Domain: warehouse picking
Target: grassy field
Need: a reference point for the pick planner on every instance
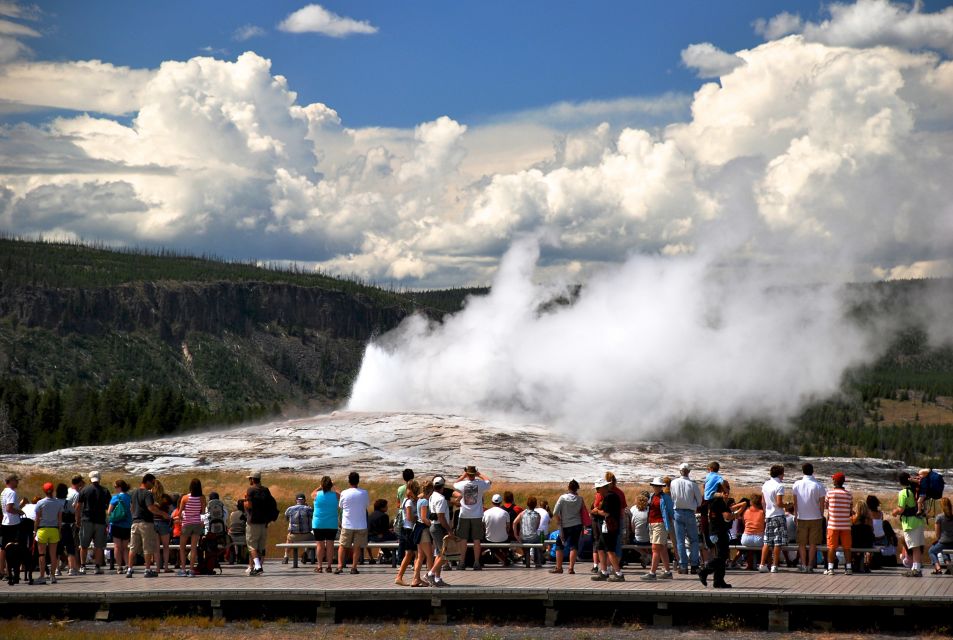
(917, 412)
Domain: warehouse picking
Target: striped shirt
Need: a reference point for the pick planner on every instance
(193, 510)
(838, 509)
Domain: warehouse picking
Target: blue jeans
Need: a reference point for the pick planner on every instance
(686, 525)
(936, 549)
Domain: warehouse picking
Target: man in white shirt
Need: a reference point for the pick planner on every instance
(353, 504)
(472, 485)
(809, 511)
(439, 514)
(775, 524)
(687, 496)
(10, 529)
(496, 521)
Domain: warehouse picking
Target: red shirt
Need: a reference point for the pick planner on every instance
(838, 509)
(655, 509)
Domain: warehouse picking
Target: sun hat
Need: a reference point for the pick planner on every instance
(471, 469)
(601, 483)
(657, 482)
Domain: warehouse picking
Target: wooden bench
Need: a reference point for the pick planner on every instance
(296, 547)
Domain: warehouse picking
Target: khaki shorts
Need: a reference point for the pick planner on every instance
(143, 538)
(353, 538)
(256, 536)
(300, 537)
(914, 538)
(810, 532)
(470, 529)
(658, 534)
(189, 530)
(425, 537)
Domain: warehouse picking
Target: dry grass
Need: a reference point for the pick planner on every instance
(915, 411)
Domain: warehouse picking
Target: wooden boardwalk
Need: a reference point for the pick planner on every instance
(375, 584)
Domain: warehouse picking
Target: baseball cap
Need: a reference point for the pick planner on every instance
(94, 476)
(839, 477)
(47, 486)
(300, 496)
(601, 483)
(439, 481)
(685, 467)
(497, 498)
(254, 475)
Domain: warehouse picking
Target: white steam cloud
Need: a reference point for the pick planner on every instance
(645, 346)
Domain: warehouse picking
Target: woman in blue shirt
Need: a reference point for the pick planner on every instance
(324, 523)
(120, 524)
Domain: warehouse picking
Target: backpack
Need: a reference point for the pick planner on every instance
(932, 485)
(529, 525)
(264, 508)
(215, 510)
(209, 552)
(119, 513)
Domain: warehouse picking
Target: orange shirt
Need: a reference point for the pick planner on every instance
(754, 521)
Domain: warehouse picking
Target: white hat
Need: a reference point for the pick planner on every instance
(439, 481)
(685, 467)
(94, 476)
(601, 483)
(657, 482)
(497, 499)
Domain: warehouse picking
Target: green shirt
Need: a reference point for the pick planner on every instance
(905, 499)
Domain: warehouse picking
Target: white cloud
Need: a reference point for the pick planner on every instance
(709, 61)
(314, 18)
(870, 23)
(81, 86)
(247, 32)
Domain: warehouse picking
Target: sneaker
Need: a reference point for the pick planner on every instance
(40, 581)
(774, 569)
(150, 573)
(665, 575)
(763, 568)
(59, 572)
(256, 572)
(440, 582)
(599, 577)
(723, 585)
(430, 579)
(913, 573)
(848, 571)
(649, 577)
(595, 569)
(703, 576)
(82, 571)
(616, 577)
(73, 572)
(477, 567)
(284, 560)
(683, 571)
(802, 569)
(810, 569)
(248, 571)
(52, 579)
(828, 572)
(180, 573)
(129, 572)
(354, 571)
(693, 571)
(99, 571)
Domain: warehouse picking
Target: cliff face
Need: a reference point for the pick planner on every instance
(176, 309)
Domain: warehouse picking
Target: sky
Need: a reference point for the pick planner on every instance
(413, 143)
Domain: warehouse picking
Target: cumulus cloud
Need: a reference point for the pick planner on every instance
(247, 32)
(709, 61)
(89, 85)
(314, 18)
(870, 23)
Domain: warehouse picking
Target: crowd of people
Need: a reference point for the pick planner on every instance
(682, 526)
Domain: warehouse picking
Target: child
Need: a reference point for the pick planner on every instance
(526, 526)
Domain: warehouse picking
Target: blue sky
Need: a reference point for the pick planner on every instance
(466, 60)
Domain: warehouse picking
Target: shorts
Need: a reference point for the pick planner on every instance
(299, 537)
(119, 533)
(914, 538)
(658, 534)
(324, 534)
(568, 538)
(752, 540)
(425, 537)
(48, 535)
(92, 532)
(607, 541)
(406, 542)
(470, 529)
(67, 542)
(163, 527)
(9, 533)
(143, 539)
(353, 538)
(256, 536)
(775, 531)
(810, 531)
(195, 529)
(437, 532)
(838, 538)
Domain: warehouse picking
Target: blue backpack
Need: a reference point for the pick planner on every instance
(932, 485)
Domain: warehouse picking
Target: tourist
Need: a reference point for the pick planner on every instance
(775, 524)
(545, 517)
(119, 514)
(215, 517)
(496, 524)
(661, 516)
(67, 545)
(143, 538)
(567, 514)
(640, 519)
(839, 507)
(379, 529)
(526, 528)
(687, 498)
(299, 517)
(260, 510)
(752, 515)
(91, 504)
(623, 519)
(10, 529)
(48, 521)
(237, 525)
(719, 515)
(440, 527)
(407, 475)
(809, 510)
(606, 531)
(512, 509)
(422, 533)
(472, 485)
(353, 503)
(191, 508)
(861, 536)
(407, 547)
(165, 526)
(324, 523)
(913, 525)
(714, 483)
(790, 557)
(943, 536)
